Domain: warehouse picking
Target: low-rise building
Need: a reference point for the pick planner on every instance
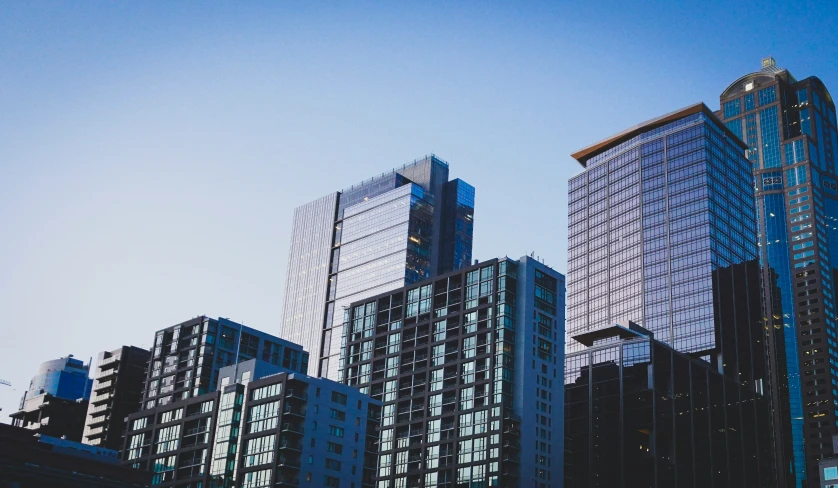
(264, 426)
(34, 460)
(56, 402)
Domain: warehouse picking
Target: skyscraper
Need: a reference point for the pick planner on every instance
(662, 234)
(789, 127)
(468, 366)
(395, 229)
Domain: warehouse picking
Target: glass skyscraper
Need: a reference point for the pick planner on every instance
(663, 234)
(395, 229)
(789, 127)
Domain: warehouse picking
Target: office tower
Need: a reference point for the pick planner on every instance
(790, 129)
(469, 368)
(662, 234)
(56, 402)
(118, 384)
(264, 426)
(395, 229)
(186, 357)
(28, 459)
(639, 413)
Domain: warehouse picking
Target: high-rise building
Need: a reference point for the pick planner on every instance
(789, 127)
(56, 402)
(663, 234)
(395, 229)
(264, 426)
(469, 369)
(186, 357)
(118, 384)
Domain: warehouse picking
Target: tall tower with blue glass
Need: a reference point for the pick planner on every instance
(662, 238)
(400, 227)
(790, 129)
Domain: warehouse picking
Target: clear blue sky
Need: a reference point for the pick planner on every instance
(151, 153)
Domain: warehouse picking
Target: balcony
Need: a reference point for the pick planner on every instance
(287, 481)
(286, 462)
(97, 432)
(511, 416)
(296, 394)
(102, 385)
(291, 446)
(108, 361)
(99, 399)
(510, 444)
(300, 412)
(95, 421)
(292, 428)
(101, 408)
(108, 373)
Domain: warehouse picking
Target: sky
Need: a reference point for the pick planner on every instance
(152, 153)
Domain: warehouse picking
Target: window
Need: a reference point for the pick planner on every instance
(335, 431)
(332, 464)
(259, 450)
(271, 352)
(257, 479)
(830, 473)
(334, 447)
(167, 439)
(139, 423)
(732, 108)
(767, 95)
(263, 417)
(171, 415)
(331, 482)
(339, 398)
(248, 346)
(267, 391)
(337, 414)
(164, 469)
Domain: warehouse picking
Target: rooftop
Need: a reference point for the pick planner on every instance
(583, 155)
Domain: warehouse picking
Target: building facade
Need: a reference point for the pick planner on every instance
(468, 367)
(789, 127)
(663, 234)
(56, 402)
(397, 228)
(640, 414)
(186, 357)
(118, 384)
(283, 429)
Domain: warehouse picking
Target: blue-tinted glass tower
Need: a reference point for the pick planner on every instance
(663, 239)
(395, 229)
(789, 127)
